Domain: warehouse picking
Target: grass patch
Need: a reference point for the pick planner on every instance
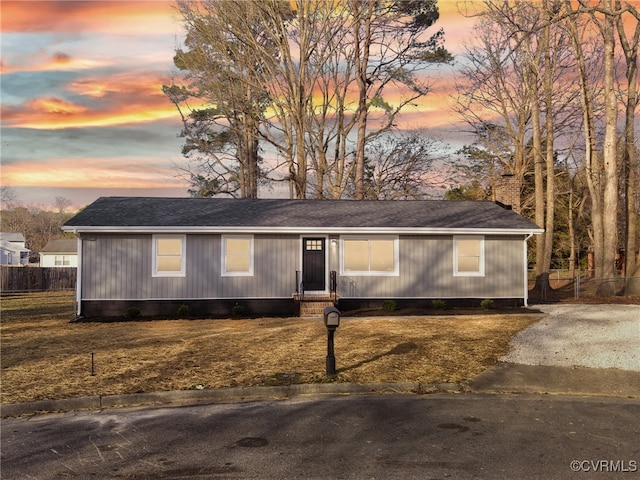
(44, 356)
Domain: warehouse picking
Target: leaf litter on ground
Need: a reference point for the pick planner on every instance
(45, 356)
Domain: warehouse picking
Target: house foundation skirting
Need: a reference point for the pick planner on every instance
(347, 304)
(214, 308)
(268, 307)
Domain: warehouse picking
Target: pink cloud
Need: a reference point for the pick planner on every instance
(92, 173)
(95, 16)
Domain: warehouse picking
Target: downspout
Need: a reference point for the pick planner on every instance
(526, 271)
(79, 277)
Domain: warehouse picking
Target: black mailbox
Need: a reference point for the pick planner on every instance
(331, 321)
(331, 317)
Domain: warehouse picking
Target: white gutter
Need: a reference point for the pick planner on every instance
(302, 230)
(79, 278)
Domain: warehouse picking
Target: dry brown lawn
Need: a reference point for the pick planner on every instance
(44, 356)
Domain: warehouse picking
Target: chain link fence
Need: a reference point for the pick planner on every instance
(576, 283)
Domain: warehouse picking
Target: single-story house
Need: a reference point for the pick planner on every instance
(60, 252)
(13, 250)
(269, 256)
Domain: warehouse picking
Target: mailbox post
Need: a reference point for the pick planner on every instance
(331, 321)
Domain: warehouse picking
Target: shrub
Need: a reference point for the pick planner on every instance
(389, 305)
(183, 311)
(132, 312)
(237, 310)
(487, 303)
(439, 304)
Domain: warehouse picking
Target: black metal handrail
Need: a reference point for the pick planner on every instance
(333, 285)
(299, 285)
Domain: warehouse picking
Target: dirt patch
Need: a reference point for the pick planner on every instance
(44, 356)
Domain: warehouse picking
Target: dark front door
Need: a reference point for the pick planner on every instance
(313, 264)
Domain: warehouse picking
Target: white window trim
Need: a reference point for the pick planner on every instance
(456, 273)
(223, 256)
(372, 273)
(183, 256)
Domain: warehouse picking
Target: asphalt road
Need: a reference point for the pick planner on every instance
(394, 436)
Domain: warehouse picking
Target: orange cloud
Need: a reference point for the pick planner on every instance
(118, 100)
(55, 106)
(91, 173)
(129, 82)
(106, 118)
(95, 16)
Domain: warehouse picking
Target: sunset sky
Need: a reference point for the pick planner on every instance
(83, 113)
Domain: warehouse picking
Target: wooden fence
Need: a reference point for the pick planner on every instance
(37, 279)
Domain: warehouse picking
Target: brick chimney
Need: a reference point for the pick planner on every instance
(507, 192)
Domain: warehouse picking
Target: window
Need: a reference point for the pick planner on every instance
(237, 255)
(370, 256)
(62, 261)
(169, 255)
(313, 244)
(468, 256)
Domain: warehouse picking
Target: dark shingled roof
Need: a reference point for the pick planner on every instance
(126, 212)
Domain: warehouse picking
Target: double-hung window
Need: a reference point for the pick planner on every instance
(237, 255)
(62, 261)
(169, 255)
(468, 256)
(370, 256)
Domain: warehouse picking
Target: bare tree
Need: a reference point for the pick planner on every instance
(592, 159)
(62, 203)
(401, 167)
(513, 75)
(489, 97)
(8, 197)
(549, 63)
(389, 50)
(37, 225)
(319, 69)
(222, 136)
(602, 174)
(517, 73)
(630, 157)
(606, 285)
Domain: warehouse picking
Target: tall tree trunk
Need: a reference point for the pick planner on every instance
(362, 37)
(572, 238)
(549, 147)
(593, 165)
(542, 272)
(606, 285)
(630, 168)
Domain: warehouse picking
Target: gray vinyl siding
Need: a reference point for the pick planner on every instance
(120, 267)
(426, 271)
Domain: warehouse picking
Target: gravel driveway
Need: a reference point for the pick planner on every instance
(595, 336)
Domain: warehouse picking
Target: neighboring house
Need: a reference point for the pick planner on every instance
(61, 252)
(13, 250)
(266, 255)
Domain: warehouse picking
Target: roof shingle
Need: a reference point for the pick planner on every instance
(120, 212)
